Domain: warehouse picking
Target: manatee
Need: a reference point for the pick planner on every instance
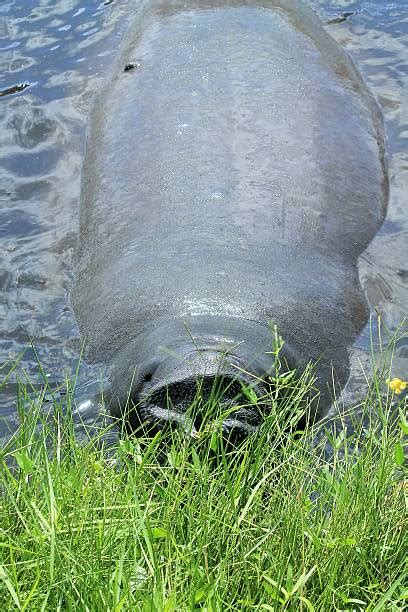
(234, 172)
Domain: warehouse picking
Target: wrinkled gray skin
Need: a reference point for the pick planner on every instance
(232, 178)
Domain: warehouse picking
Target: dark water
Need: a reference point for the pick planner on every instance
(54, 54)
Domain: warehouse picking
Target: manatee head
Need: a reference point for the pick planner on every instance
(169, 379)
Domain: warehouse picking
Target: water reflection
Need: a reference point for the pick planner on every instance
(54, 54)
(376, 36)
(61, 50)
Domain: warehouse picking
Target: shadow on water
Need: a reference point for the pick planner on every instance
(54, 54)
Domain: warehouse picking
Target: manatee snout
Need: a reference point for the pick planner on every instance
(194, 374)
(203, 390)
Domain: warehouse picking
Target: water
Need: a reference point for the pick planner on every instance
(54, 54)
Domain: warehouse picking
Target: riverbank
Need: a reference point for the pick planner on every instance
(278, 524)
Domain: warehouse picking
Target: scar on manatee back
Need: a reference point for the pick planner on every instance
(341, 18)
(132, 66)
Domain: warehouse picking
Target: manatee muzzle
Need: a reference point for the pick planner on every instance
(204, 389)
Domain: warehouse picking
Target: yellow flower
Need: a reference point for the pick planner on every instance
(396, 384)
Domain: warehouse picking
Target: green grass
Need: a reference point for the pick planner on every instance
(277, 524)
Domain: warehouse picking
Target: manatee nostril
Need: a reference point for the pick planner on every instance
(142, 385)
(147, 374)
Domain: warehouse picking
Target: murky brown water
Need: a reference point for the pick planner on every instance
(54, 54)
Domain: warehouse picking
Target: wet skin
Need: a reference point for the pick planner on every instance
(234, 173)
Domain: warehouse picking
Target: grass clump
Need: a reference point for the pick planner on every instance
(167, 524)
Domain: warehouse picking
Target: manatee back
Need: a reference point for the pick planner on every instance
(236, 170)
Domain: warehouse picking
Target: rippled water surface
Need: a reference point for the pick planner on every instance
(54, 54)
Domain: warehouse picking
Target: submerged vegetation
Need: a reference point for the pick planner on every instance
(289, 520)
